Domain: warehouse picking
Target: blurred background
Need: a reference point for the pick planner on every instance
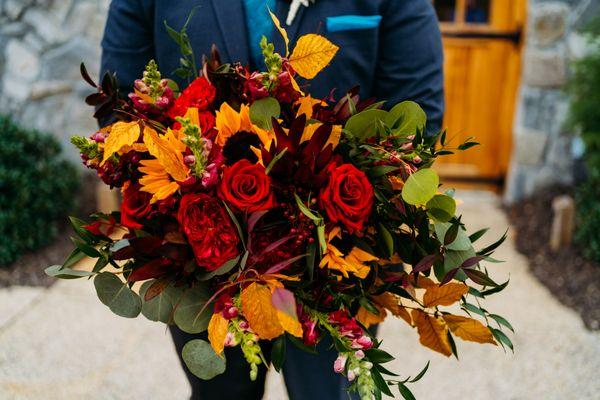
(522, 77)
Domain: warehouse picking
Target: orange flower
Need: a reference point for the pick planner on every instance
(354, 263)
(161, 175)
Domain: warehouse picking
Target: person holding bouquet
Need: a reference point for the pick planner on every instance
(391, 48)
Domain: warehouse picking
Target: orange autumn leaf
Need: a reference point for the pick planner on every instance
(166, 149)
(121, 134)
(444, 295)
(217, 331)
(391, 302)
(423, 282)
(259, 311)
(311, 54)
(469, 329)
(433, 333)
(367, 318)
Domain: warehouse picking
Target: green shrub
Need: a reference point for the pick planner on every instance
(587, 198)
(37, 189)
(584, 114)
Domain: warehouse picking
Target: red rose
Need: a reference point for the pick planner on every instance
(247, 187)
(199, 94)
(135, 207)
(348, 196)
(209, 230)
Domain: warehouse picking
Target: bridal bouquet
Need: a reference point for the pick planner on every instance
(255, 212)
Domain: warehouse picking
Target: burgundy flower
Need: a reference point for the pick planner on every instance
(208, 229)
(348, 196)
(247, 187)
(135, 207)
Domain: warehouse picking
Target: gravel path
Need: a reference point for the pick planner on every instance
(62, 343)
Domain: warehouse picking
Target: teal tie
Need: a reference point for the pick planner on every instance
(258, 24)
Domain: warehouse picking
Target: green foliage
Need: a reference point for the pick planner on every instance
(37, 189)
(584, 87)
(201, 359)
(420, 187)
(584, 114)
(588, 219)
(115, 294)
(261, 112)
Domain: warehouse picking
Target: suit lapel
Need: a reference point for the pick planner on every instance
(232, 24)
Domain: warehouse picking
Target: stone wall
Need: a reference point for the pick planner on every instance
(42, 43)
(543, 153)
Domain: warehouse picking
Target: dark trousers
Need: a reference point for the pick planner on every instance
(307, 376)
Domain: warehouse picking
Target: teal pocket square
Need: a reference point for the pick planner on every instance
(352, 22)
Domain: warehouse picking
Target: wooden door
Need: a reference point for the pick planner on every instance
(482, 45)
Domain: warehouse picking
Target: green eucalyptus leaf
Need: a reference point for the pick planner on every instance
(192, 313)
(278, 352)
(406, 118)
(441, 207)
(73, 258)
(461, 243)
(57, 271)
(223, 269)
(405, 392)
(307, 211)
(365, 124)
(501, 321)
(454, 259)
(261, 112)
(378, 356)
(201, 359)
(160, 307)
(388, 239)
(420, 187)
(115, 294)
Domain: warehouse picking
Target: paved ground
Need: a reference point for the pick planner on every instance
(62, 343)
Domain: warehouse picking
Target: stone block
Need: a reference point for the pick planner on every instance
(46, 25)
(549, 22)
(541, 109)
(14, 88)
(62, 62)
(42, 89)
(545, 68)
(12, 29)
(21, 61)
(530, 146)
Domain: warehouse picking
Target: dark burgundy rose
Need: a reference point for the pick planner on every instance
(208, 229)
(348, 196)
(247, 187)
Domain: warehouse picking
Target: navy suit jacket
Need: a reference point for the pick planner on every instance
(400, 59)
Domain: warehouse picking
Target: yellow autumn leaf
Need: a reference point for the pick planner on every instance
(311, 54)
(391, 302)
(289, 323)
(433, 333)
(260, 312)
(469, 329)
(217, 331)
(167, 151)
(282, 31)
(367, 318)
(121, 134)
(296, 86)
(444, 295)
